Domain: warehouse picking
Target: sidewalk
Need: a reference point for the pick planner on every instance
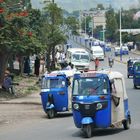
(33, 98)
(27, 93)
(125, 57)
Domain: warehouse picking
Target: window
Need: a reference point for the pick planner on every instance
(90, 86)
(52, 83)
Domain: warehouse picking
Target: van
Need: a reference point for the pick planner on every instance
(79, 57)
(117, 51)
(97, 52)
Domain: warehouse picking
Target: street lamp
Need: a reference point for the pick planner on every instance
(85, 25)
(120, 36)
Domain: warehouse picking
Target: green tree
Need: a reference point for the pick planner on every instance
(17, 34)
(111, 25)
(100, 6)
(51, 32)
(86, 20)
(72, 24)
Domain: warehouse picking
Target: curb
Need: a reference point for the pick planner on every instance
(27, 103)
(120, 61)
(137, 53)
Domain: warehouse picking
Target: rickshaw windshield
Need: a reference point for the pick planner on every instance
(52, 83)
(90, 86)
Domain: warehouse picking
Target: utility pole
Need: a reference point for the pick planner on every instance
(120, 36)
(92, 26)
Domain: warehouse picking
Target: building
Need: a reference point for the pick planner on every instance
(98, 16)
(99, 19)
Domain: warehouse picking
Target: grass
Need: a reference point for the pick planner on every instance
(27, 85)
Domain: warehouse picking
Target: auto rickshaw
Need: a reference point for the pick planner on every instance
(130, 71)
(136, 76)
(99, 100)
(56, 92)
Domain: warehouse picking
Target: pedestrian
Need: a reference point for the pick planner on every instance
(7, 82)
(69, 66)
(27, 65)
(16, 66)
(110, 61)
(37, 66)
(42, 64)
(96, 64)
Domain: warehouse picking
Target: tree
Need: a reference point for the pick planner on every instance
(86, 20)
(17, 34)
(111, 25)
(51, 32)
(100, 6)
(72, 24)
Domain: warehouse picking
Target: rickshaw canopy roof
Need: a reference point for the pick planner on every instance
(67, 73)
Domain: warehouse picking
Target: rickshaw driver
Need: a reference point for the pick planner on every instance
(97, 86)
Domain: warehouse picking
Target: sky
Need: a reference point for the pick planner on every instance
(71, 5)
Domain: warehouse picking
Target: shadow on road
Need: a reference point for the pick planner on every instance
(100, 132)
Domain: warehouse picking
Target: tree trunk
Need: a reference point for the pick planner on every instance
(3, 64)
(48, 60)
(53, 58)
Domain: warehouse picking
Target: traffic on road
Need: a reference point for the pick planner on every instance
(70, 70)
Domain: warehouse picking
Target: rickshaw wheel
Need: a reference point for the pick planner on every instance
(87, 130)
(126, 124)
(51, 113)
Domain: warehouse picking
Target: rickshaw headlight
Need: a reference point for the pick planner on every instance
(99, 106)
(76, 106)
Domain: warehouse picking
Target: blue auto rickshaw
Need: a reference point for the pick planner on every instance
(117, 51)
(99, 100)
(136, 76)
(56, 92)
(130, 70)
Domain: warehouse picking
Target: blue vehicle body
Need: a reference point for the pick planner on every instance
(107, 49)
(125, 50)
(117, 51)
(55, 93)
(130, 70)
(95, 108)
(136, 76)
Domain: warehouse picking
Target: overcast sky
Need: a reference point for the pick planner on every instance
(71, 5)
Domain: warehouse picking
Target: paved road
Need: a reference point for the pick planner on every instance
(26, 122)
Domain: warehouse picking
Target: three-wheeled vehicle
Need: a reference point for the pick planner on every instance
(56, 92)
(130, 71)
(136, 76)
(99, 100)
